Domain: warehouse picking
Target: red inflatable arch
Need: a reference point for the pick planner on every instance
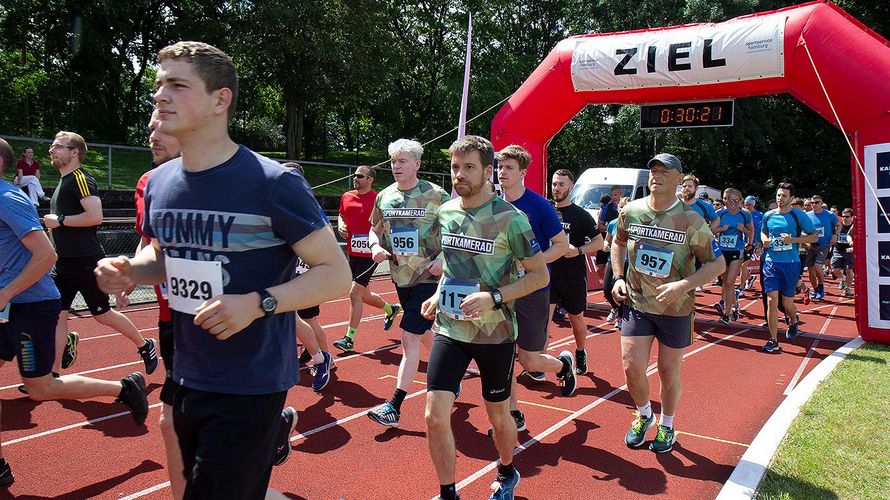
(764, 53)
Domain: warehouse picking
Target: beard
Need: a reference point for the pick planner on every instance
(560, 199)
(467, 189)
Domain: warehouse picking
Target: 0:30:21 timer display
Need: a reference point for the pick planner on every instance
(694, 114)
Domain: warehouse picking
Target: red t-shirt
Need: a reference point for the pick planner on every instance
(27, 169)
(164, 313)
(355, 209)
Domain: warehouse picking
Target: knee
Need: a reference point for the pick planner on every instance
(356, 292)
(437, 422)
(526, 358)
(410, 342)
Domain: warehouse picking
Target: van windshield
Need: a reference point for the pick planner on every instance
(588, 195)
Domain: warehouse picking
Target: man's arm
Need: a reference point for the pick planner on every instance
(42, 259)
(558, 247)
(536, 277)
(92, 215)
(341, 226)
(122, 273)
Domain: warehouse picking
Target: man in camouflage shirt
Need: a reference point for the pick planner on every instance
(662, 238)
(405, 230)
(483, 237)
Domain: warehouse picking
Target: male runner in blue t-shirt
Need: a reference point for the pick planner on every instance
(826, 224)
(226, 228)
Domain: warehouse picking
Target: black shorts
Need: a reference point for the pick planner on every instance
(309, 312)
(362, 269)
(411, 298)
(672, 331)
(75, 274)
(601, 257)
(841, 260)
(748, 254)
(227, 441)
(731, 255)
(449, 359)
(571, 294)
(30, 336)
(532, 316)
(165, 338)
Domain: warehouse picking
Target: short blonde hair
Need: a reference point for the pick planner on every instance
(514, 152)
(75, 141)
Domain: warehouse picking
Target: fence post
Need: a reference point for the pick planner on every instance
(109, 167)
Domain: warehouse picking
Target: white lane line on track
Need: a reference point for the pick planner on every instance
(72, 426)
(806, 359)
(86, 372)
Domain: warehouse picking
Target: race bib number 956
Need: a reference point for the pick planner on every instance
(190, 283)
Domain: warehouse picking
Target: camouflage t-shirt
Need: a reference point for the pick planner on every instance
(662, 247)
(481, 247)
(410, 230)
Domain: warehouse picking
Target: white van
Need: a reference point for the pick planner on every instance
(594, 183)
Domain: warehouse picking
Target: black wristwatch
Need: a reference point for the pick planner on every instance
(616, 278)
(497, 298)
(581, 250)
(61, 219)
(268, 303)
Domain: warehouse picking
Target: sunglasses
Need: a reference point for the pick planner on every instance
(361, 176)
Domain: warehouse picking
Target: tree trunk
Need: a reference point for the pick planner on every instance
(296, 110)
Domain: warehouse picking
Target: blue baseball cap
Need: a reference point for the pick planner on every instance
(668, 160)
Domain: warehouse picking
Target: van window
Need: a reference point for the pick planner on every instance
(588, 195)
(639, 194)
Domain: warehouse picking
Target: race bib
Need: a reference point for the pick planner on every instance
(843, 238)
(728, 240)
(191, 282)
(820, 231)
(654, 261)
(777, 245)
(301, 267)
(451, 292)
(404, 241)
(359, 244)
(4, 314)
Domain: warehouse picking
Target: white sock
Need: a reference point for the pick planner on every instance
(318, 358)
(645, 410)
(667, 420)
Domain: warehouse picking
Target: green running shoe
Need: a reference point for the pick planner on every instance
(391, 318)
(664, 441)
(344, 344)
(637, 433)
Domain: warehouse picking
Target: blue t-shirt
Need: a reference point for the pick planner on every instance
(542, 217)
(825, 222)
(18, 218)
(757, 219)
(774, 224)
(245, 213)
(612, 227)
(705, 209)
(732, 239)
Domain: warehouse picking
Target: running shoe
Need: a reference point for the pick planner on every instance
(344, 344)
(637, 433)
(503, 487)
(559, 314)
(848, 292)
(133, 396)
(6, 477)
(806, 296)
(718, 282)
(665, 437)
(822, 291)
(69, 355)
(580, 361)
(519, 418)
(305, 357)
(721, 306)
(734, 316)
(792, 331)
(724, 318)
(388, 320)
(843, 284)
(149, 353)
(771, 345)
(386, 415)
(536, 376)
(286, 426)
(613, 315)
(321, 373)
(567, 382)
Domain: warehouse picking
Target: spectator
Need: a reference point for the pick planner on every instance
(27, 175)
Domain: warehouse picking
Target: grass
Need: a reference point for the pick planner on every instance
(838, 445)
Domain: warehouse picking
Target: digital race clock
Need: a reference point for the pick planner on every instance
(689, 114)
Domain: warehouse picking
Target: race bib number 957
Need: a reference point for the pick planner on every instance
(190, 283)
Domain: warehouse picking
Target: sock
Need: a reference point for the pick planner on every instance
(388, 310)
(397, 398)
(447, 491)
(645, 410)
(318, 358)
(506, 471)
(667, 420)
(350, 332)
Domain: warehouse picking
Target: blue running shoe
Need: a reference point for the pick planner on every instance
(503, 487)
(390, 318)
(386, 415)
(321, 373)
(720, 307)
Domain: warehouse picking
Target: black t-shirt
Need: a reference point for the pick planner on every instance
(843, 238)
(75, 241)
(608, 214)
(581, 228)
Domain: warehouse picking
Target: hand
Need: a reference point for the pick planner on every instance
(122, 299)
(226, 315)
(379, 254)
(740, 227)
(786, 238)
(722, 228)
(849, 250)
(477, 303)
(606, 246)
(671, 292)
(619, 291)
(435, 267)
(430, 307)
(571, 251)
(114, 275)
(51, 221)
(342, 231)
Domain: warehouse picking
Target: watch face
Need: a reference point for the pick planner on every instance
(269, 304)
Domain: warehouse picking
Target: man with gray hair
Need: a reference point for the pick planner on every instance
(403, 213)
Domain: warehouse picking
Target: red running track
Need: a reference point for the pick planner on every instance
(573, 446)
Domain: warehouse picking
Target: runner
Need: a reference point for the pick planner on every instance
(826, 224)
(568, 279)
(781, 263)
(755, 248)
(353, 224)
(482, 239)
(842, 254)
(662, 238)
(733, 234)
(705, 209)
(611, 228)
(76, 215)
(405, 229)
(29, 309)
(531, 310)
(230, 279)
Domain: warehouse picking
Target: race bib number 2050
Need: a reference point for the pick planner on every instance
(191, 282)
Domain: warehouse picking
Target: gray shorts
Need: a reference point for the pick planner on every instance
(532, 315)
(816, 255)
(841, 260)
(672, 331)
